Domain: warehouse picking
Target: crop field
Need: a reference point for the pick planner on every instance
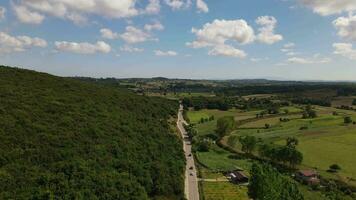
(224, 191)
(209, 127)
(218, 159)
(324, 140)
(346, 101)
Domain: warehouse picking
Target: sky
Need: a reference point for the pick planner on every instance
(195, 39)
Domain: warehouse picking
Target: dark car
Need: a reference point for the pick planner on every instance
(191, 168)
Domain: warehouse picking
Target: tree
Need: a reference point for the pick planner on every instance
(248, 143)
(334, 168)
(204, 145)
(309, 112)
(266, 183)
(347, 120)
(232, 140)
(267, 126)
(354, 102)
(224, 126)
(292, 142)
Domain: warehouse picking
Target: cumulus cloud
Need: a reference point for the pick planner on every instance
(165, 53)
(266, 32)
(26, 16)
(78, 10)
(154, 26)
(220, 31)
(202, 6)
(227, 50)
(316, 59)
(219, 35)
(178, 4)
(108, 34)
(346, 27)
(135, 35)
(288, 49)
(83, 48)
(2, 13)
(330, 7)
(153, 7)
(130, 49)
(289, 45)
(131, 35)
(345, 49)
(9, 44)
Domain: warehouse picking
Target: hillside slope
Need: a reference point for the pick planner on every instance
(66, 139)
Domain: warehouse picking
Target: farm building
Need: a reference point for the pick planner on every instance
(237, 177)
(309, 177)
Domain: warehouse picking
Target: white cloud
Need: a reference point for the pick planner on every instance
(9, 44)
(345, 49)
(202, 6)
(288, 49)
(153, 7)
(289, 45)
(178, 4)
(83, 48)
(220, 31)
(78, 10)
(266, 32)
(130, 49)
(108, 34)
(135, 35)
(329, 7)
(227, 50)
(165, 53)
(26, 16)
(316, 59)
(346, 27)
(154, 26)
(2, 13)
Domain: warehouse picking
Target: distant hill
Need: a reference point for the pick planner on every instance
(62, 138)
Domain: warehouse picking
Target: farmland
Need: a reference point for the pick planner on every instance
(326, 140)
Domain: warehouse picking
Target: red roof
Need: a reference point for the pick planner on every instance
(308, 173)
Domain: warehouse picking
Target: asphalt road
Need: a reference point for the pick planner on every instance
(191, 181)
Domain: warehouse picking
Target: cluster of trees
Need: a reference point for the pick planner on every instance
(248, 143)
(354, 102)
(224, 126)
(67, 139)
(267, 183)
(203, 120)
(343, 107)
(201, 102)
(287, 154)
(309, 112)
(308, 101)
(348, 120)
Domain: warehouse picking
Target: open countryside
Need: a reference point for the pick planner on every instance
(178, 100)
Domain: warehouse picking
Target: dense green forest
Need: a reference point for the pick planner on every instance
(66, 139)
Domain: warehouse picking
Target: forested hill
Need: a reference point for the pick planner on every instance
(65, 139)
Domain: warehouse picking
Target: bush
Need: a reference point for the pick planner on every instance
(347, 120)
(334, 168)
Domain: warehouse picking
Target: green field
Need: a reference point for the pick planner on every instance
(224, 191)
(325, 141)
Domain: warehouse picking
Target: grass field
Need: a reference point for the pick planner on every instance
(224, 191)
(326, 141)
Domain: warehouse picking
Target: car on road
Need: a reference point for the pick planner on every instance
(191, 174)
(191, 168)
(190, 155)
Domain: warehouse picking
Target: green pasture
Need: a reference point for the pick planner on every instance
(224, 191)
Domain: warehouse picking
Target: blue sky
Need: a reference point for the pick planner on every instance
(205, 39)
